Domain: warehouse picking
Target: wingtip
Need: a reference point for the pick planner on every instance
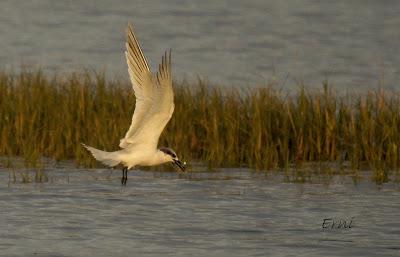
(85, 145)
(129, 28)
(169, 57)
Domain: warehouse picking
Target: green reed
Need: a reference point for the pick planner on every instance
(263, 128)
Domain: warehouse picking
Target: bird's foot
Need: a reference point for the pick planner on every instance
(123, 181)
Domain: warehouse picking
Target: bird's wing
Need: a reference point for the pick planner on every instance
(154, 96)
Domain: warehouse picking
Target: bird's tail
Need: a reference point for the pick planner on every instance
(107, 158)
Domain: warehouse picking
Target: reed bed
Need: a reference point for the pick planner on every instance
(262, 128)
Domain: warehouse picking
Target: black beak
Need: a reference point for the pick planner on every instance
(179, 164)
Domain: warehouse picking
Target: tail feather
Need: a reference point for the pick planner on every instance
(107, 158)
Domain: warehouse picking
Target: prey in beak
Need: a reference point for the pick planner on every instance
(179, 164)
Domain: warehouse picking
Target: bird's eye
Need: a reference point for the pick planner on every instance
(174, 156)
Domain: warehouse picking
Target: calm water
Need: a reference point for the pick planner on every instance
(87, 213)
(352, 43)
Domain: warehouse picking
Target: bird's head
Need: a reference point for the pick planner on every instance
(171, 156)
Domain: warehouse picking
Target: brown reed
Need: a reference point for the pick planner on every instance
(262, 128)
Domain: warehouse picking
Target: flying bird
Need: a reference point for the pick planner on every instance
(153, 109)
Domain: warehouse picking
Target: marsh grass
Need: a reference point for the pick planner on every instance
(262, 128)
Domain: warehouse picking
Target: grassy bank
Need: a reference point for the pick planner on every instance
(262, 128)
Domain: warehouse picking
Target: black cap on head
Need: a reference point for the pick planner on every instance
(168, 151)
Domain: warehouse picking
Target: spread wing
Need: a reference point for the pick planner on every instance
(154, 96)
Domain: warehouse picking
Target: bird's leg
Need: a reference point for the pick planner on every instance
(124, 176)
